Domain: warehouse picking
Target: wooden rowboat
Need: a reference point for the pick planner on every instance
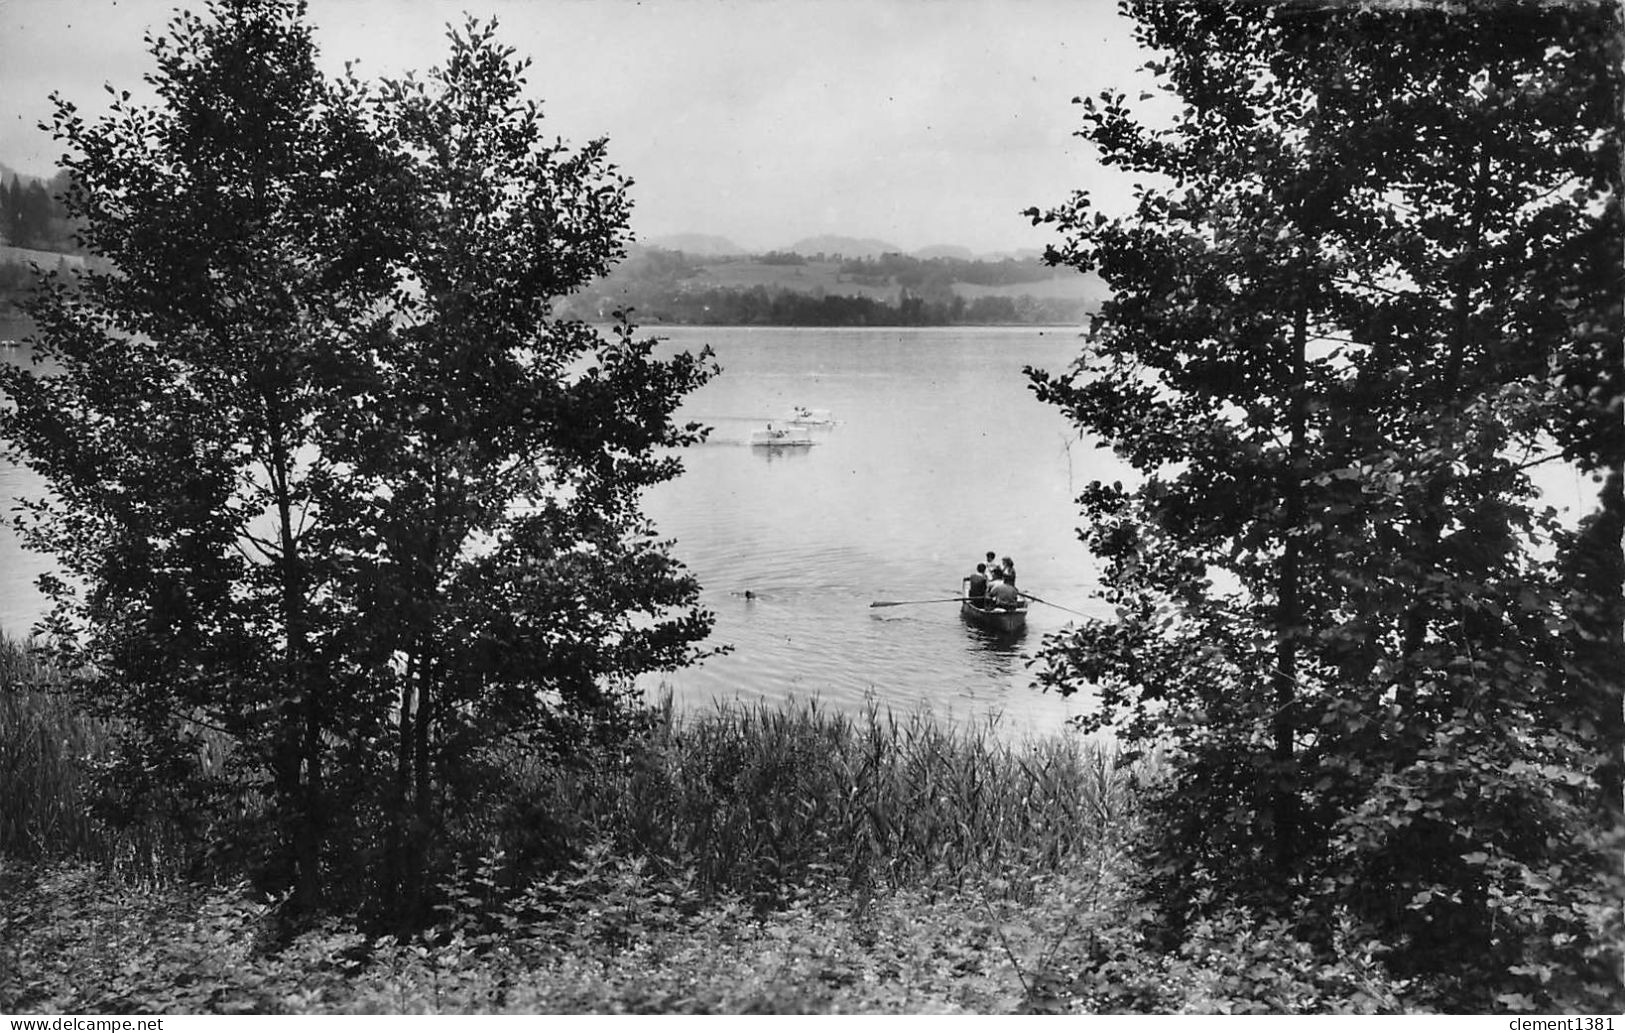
(1003, 621)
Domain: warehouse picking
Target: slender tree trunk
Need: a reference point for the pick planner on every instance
(1430, 521)
(305, 724)
(400, 832)
(1289, 611)
(419, 815)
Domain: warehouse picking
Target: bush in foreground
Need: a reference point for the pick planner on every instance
(612, 936)
(766, 859)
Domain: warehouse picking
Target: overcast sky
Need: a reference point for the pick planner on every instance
(916, 121)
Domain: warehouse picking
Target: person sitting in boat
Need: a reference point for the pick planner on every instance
(1001, 593)
(976, 585)
(1009, 571)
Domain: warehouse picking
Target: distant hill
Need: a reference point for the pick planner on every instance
(848, 247)
(1026, 254)
(701, 244)
(710, 245)
(791, 289)
(945, 251)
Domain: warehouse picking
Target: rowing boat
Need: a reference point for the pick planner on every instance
(996, 618)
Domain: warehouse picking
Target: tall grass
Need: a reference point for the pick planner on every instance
(757, 797)
(49, 755)
(753, 799)
(45, 752)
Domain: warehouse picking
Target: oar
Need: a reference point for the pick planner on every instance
(1046, 602)
(911, 602)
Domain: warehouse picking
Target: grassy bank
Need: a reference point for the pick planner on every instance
(768, 858)
(783, 858)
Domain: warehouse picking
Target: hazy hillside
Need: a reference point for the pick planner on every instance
(785, 288)
(825, 280)
(846, 247)
(703, 244)
(945, 251)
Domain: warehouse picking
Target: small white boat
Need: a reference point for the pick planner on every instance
(780, 437)
(802, 416)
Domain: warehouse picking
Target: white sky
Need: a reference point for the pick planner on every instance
(916, 121)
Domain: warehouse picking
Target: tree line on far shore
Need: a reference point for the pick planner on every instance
(32, 214)
(665, 286)
(761, 306)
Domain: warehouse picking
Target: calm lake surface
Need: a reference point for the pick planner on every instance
(940, 453)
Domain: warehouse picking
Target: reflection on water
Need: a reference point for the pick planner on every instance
(998, 643)
(780, 453)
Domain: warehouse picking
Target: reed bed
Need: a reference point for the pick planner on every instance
(50, 753)
(47, 754)
(756, 797)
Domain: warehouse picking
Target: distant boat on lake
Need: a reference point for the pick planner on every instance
(780, 437)
(802, 416)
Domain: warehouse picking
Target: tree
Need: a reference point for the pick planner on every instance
(505, 426)
(313, 434)
(1331, 353)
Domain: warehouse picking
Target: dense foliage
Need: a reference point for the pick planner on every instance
(1371, 280)
(330, 483)
(610, 936)
(782, 859)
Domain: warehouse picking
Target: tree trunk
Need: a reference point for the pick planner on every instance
(1429, 523)
(1288, 614)
(305, 801)
(400, 819)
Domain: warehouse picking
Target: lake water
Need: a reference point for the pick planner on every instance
(940, 453)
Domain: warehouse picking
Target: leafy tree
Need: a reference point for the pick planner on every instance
(325, 479)
(503, 426)
(1332, 353)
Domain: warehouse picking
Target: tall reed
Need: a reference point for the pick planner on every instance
(757, 798)
(49, 755)
(753, 797)
(45, 752)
